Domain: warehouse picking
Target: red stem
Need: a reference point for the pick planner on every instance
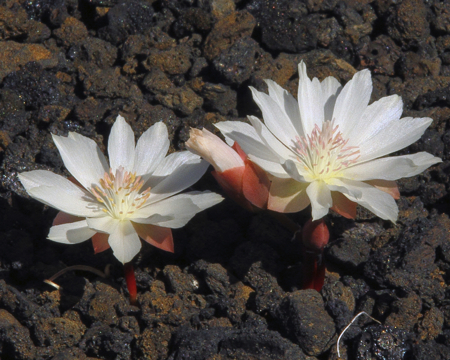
(131, 282)
(315, 236)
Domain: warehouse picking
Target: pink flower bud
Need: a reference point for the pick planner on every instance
(315, 235)
(243, 181)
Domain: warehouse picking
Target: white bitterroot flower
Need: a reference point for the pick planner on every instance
(134, 196)
(327, 149)
(211, 148)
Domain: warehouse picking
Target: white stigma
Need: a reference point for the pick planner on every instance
(324, 153)
(120, 193)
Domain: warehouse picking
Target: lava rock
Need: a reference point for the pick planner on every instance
(24, 310)
(108, 83)
(127, 18)
(15, 341)
(284, 25)
(226, 32)
(71, 32)
(109, 342)
(430, 350)
(235, 64)
(350, 253)
(408, 22)
(170, 309)
(182, 100)
(384, 341)
(192, 20)
(14, 55)
(97, 51)
(15, 24)
(380, 55)
(229, 343)
(178, 281)
(214, 276)
(441, 23)
(153, 340)
(405, 312)
(174, 61)
(431, 325)
(219, 98)
(256, 265)
(302, 317)
(410, 266)
(36, 86)
(58, 333)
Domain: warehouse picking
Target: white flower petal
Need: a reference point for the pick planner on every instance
(287, 196)
(291, 168)
(320, 197)
(174, 161)
(247, 138)
(59, 193)
(375, 118)
(379, 202)
(273, 168)
(391, 168)
(352, 101)
(176, 211)
(310, 100)
(121, 145)
(337, 184)
(203, 200)
(395, 136)
(275, 118)
(330, 91)
(82, 158)
(288, 104)
(71, 233)
(276, 146)
(125, 242)
(167, 166)
(104, 224)
(151, 149)
(181, 178)
(173, 210)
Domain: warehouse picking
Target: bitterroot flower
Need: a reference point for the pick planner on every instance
(133, 197)
(245, 182)
(327, 149)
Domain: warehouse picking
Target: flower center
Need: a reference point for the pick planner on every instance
(120, 194)
(325, 152)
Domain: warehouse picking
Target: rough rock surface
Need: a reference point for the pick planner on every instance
(232, 289)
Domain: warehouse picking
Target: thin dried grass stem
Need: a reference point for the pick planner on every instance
(345, 329)
(77, 267)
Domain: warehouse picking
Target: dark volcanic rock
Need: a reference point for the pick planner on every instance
(36, 86)
(284, 25)
(409, 262)
(382, 342)
(15, 342)
(235, 64)
(408, 22)
(256, 265)
(104, 341)
(228, 343)
(226, 32)
(302, 318)
(127, 18)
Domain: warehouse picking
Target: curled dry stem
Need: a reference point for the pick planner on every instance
(77, 267)
(345, 329)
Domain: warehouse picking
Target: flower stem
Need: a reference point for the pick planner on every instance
(315, 236)
(131, 282)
